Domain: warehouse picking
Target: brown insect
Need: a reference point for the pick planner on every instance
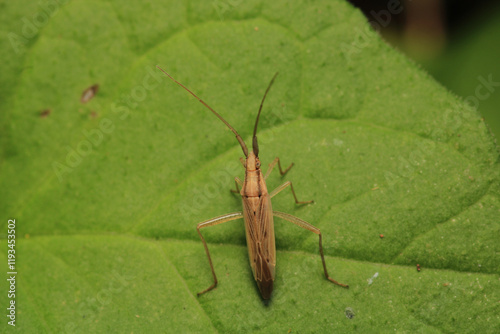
(418, 267)
(257, 210)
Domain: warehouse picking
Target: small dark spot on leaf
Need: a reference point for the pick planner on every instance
(45, 113)
(349, 313)
(89, 93)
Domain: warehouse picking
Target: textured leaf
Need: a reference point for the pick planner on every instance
(106, 194)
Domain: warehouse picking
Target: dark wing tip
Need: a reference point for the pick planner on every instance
(265, 288)
(265, 282)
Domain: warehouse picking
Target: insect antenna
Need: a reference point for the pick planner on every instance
(255, 144)
(238, 137)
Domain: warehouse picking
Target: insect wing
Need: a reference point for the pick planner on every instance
(259, 226)
(267, 233)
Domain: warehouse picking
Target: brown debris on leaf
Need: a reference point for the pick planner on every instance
(89, 93)
(45, 113)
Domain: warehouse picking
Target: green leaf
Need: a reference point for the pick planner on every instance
(106, 194)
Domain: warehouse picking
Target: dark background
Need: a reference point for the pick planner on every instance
(455, 41)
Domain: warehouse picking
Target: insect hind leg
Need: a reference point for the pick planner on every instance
(212, 222)
(309, 227)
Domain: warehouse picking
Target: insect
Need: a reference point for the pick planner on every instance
(257, 210)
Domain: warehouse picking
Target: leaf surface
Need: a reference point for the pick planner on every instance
(106, 194)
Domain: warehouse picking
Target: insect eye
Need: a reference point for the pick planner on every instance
(257, 164)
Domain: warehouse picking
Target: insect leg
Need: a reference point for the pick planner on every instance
(236, 182)
(272, 164)
(212, 222)
(307, 226)
(283, 186)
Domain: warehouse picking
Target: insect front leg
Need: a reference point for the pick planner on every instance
(212, 222)
(283, 186)
(271, 167)
(236, 182)
(307, 226)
